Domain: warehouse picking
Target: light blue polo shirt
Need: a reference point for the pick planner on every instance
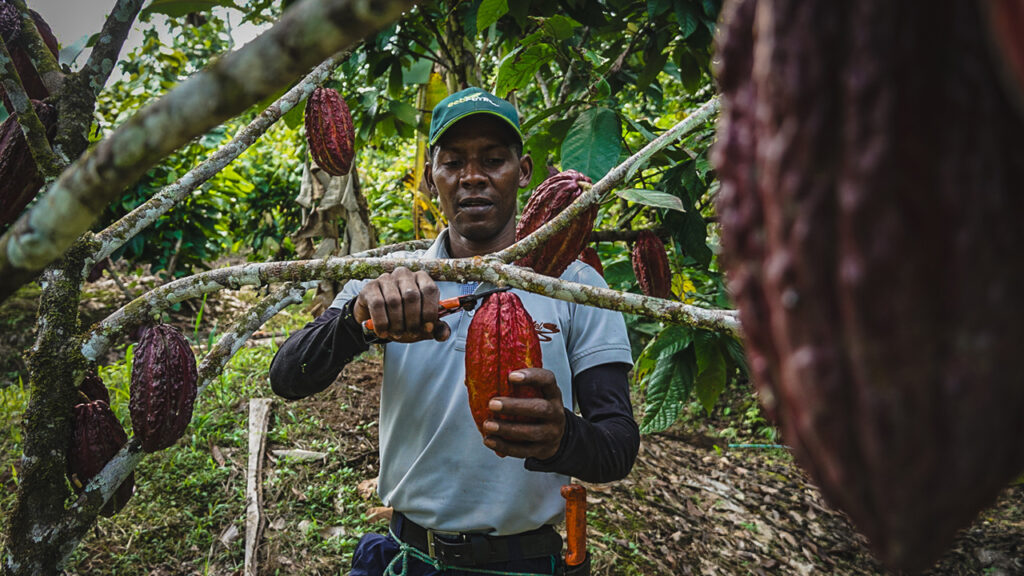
(435, 468)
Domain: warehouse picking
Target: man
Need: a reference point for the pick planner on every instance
(462, 505)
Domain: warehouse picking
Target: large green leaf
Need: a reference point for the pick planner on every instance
(593, 144)
(489, 13)
(559, 27)
(666, 368)
(518, 67)
(688, 16)
(710, 379)
(688, 229)
(652, 198)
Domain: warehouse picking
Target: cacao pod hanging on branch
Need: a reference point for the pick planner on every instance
(163, 387)
(501, 338)
(650, 264)
(549, 199)
(329, 131)
(871, 177)
(19, 179)
(96, 436)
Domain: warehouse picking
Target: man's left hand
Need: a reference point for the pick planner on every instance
(540, 434)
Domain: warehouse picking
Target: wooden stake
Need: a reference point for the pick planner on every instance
(259, 415)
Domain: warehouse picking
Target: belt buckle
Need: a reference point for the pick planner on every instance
(430, 540)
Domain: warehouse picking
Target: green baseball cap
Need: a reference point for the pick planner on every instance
(466, 103)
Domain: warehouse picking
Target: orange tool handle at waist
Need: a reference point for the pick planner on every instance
(447, 306)
(575, 523)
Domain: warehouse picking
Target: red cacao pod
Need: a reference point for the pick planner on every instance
(650, 264)
(590, 256)
(870, 197)
(163, 387)
(551, 197)
(19, 179)
(501, 338)
(96, 436)
(329, 131)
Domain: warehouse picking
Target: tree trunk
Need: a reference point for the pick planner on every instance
(55, 368)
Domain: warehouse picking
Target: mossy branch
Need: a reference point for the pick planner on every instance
(599, 190)
(43, 60)
(305, 35)
(82, 513)
(108, 45)
(97, 341)
(115, 235)
(35, 133)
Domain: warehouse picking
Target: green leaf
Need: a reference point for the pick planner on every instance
(666, 367)
(652, 198)
(656, 8)
(294, 117)
(69, 53)
(559, 27)
(710, 381)
(654, 63)
(418, 72)
(593, 144)
(518, 67)
(489, 13)
(403, 111)
(178, 8)
(687, 16)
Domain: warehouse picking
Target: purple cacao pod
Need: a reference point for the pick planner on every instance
(549, 199)
(870, 208)
(329, 131)
(96, 436)
(163, 387)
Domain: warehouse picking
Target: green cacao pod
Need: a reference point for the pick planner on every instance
(870, 197)
(19, 179)
(589, 255)
(329, 131)
(163, 387)
(96, 436)
(549, 199)
(650, 264)
(501, 338)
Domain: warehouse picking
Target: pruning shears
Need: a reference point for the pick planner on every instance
(448, 306)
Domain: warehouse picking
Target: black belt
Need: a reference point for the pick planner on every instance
(468, 549)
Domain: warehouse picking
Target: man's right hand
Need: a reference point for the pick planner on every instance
(403, 306)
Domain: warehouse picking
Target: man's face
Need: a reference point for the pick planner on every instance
(477, 175)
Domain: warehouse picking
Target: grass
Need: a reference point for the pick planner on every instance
(190, 498)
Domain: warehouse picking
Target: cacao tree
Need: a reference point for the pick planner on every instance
(54, 239)
(588, 76)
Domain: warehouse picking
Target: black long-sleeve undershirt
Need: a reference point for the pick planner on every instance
(600, 446)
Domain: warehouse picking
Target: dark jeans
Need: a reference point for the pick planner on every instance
(375, 551)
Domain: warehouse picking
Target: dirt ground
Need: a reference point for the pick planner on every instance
(688, 508)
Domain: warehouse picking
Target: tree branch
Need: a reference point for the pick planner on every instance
(625, 235)
(97, 341)
(108, 45)
(79, 517)
(46, 65)
(596, 192)
(149, 211)
(35, 133)
(306, 34)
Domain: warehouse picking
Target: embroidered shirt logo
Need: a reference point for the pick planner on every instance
(544, 329)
